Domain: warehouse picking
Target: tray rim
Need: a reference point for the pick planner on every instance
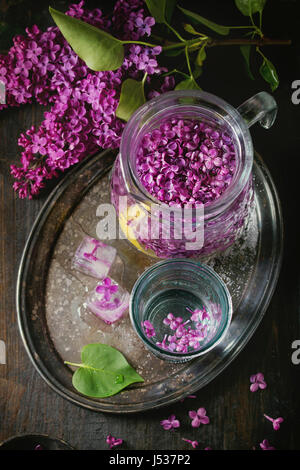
(44, 212)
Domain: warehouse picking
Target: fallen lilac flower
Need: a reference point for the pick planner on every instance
(276, 421)
(112, 441)
(170, 423)
(194, 444)
(265, 445)
(189, 396)
(198, 417)
(257, 381)
(38, 447)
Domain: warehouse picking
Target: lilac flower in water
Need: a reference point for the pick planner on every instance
(198, 417)
(148, 328)
(265, 445)
(257, 381)
(276, 422)
(112, 441)
(171, 423)
(172, 321)
(163, 344)
(199, 314)
(194, 444)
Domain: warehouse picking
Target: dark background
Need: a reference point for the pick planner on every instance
(28, 405)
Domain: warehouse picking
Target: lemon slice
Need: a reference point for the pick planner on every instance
(125, 219)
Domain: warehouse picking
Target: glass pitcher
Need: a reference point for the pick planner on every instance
(221, 222)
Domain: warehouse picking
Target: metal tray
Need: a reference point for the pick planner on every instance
(54, 324)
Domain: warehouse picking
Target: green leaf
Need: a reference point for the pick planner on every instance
(174, 52)
(131, 98)
(190, 29)
(188, 84)
(246, 51)
(248, 7)
(170, 5)
(201, 56)
(99, 50)
(157, 9)
(224, 30)
(103, 372)
(197, 72)
(268, 72)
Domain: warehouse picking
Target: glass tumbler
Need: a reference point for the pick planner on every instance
(222, 220)
(180, 309)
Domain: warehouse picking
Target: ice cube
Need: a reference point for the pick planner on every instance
(109, 301)
(94, 258)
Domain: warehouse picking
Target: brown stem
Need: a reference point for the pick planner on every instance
(254, 42)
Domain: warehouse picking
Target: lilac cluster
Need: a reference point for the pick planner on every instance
(186, 162)
(42, 66)
(185, 336)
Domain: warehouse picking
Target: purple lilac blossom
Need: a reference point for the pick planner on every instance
(198, 417)
(275, 421)
(257, 382)
(265, 445)
(42, 67)
(194, 444)
(185, 337)
(186, 162)
(113, 441)
(171, 423)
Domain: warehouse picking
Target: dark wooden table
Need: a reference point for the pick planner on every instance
(28, 405)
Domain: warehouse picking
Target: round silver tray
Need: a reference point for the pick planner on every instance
(54, 324)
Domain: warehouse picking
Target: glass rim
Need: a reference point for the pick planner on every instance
(171, 354)
(241, 178)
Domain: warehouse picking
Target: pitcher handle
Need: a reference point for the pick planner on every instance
(261, 107)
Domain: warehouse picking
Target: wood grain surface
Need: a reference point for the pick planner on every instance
(28, 405)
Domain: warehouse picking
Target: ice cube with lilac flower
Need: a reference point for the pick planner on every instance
(94, 258)
(109, 301)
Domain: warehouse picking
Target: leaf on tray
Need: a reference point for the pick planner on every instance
(103, 372)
